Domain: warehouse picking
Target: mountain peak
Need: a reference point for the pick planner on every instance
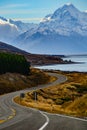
(68, 8)
(4, 19)
(65, 30)
(69, 4)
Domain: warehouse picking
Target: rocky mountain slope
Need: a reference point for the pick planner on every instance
(10, 29)
(64, 31)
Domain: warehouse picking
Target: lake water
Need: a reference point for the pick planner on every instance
(81, 67)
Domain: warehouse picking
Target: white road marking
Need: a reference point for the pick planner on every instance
(70, 117)
(65, 116)
(46, 123)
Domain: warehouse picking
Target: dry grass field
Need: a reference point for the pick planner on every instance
(67, 98)
(10, 82)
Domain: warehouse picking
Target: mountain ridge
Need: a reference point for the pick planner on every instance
(64, 31)
(11, 29)
(33, 59)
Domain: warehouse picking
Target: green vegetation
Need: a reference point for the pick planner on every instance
(81, 88)
(13, 63)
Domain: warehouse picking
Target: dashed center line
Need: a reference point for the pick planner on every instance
(9, 117)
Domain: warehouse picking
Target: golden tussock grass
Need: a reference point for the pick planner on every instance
(67, 98)
(10, 82)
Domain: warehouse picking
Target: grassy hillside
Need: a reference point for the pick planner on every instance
(10, 82)
(68, 98)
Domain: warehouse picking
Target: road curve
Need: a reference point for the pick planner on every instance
(16, 117)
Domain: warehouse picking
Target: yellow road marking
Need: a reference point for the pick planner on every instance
(2, 121)
(10, 116)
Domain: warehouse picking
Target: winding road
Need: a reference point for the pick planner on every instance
(16, 117)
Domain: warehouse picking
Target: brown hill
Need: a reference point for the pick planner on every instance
(35, 59)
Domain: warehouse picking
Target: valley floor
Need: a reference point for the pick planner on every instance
(67, 98)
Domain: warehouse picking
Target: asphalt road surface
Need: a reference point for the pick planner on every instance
(16, 117)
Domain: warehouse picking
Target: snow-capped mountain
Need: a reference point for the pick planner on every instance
(10, 29)
(64, 31)
(23, 27)
(7, 30)
(67, 20)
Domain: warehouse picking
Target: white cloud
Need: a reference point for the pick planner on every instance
(15, 11)
(22, 11)
(13, 6)
(18, 11)
(28, 19)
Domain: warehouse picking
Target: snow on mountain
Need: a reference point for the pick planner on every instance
(67, 20)
(23, 27)
(7, 30)
(47, 18)
(66, 10)
(10, 29)
(64, 31)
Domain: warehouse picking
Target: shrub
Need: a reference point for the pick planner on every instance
(81, 88)
(13, 63)
(59, 101)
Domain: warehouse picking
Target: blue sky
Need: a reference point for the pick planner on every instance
(34, 10)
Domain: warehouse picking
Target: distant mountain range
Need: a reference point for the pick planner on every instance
(10, 29)
(63, 32)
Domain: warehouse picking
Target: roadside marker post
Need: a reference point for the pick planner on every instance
(35, 95)
(22, 95)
